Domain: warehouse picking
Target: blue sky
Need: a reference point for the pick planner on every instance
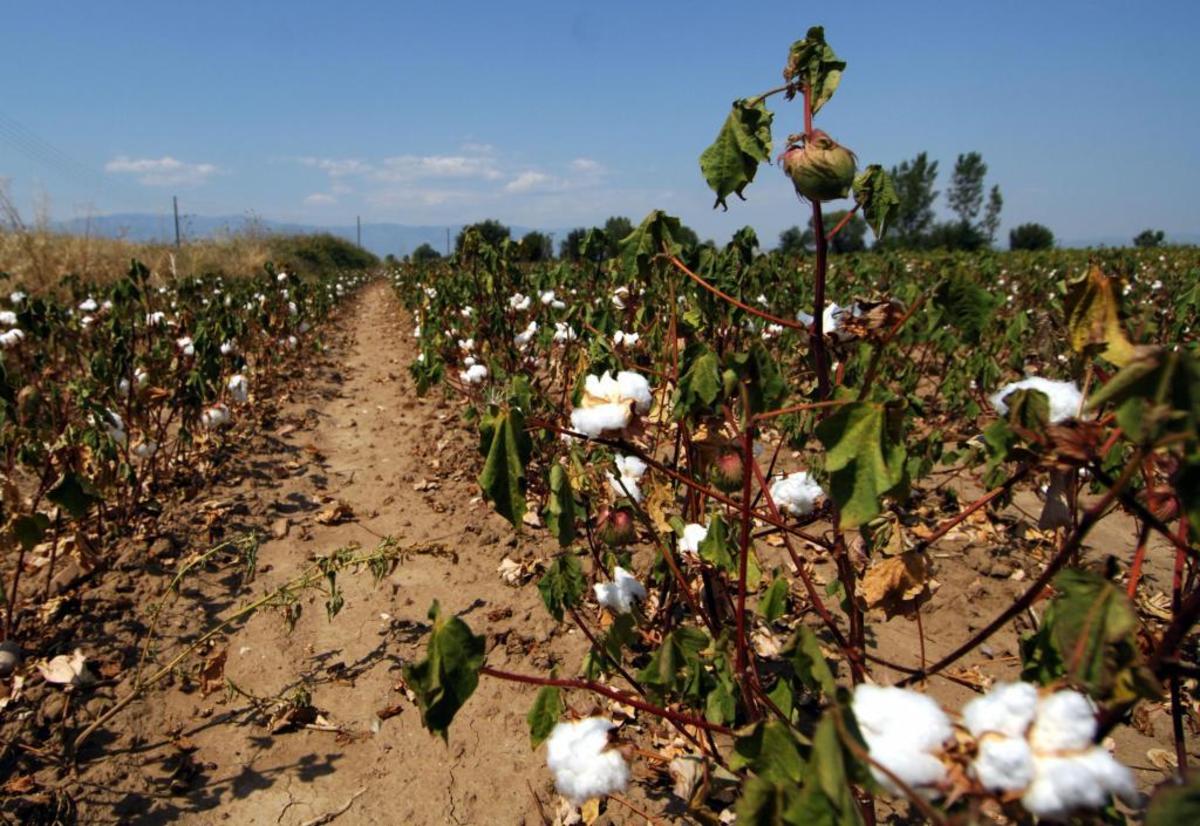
(558, 114)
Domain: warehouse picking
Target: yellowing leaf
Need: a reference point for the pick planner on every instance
(898, 584)
(1094, 319)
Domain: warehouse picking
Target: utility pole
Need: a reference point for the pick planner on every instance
(175, 204)
(358, 221)
(447, 242)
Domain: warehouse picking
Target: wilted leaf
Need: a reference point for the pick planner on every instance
(742, 144)
(448, 675)
(813, 65)
(336, 514)
(1094, 318)
(898, 584)
(876, 196)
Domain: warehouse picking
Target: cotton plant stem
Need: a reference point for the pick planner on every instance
(612, 694)
(774, 319)
(1060, 559)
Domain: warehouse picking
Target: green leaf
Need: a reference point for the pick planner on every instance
(1089, 635)
(813, 65)
(966, 306)
(507, 449)
(73, 494)
(774, 602)
(865, 457)
(715, 547)
(676, 662)
(448, 675)
(560, 509)
(543, 716)
(1175, 805)
(700, 385)
(562, 585)
(809, 665)
(30, 530)
(771, 751)
(1159, 392)
(876, 197)
(656, 234)
(742, 144)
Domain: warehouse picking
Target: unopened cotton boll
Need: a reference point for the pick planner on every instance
(1064, 397)
(620, 594)
(582, 761)
(797, 493)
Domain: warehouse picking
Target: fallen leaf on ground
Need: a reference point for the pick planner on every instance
(336, 514)
(212, 675)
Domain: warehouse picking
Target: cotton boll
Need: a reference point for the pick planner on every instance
(631, 466)
(8, 318)
(239, 388)
(796, 493)
(693, 535)
(564, 332)
(1064, 397)
(1066, 721)
(17, 298)
(903, 730)
(1007, 709)
(619, 595)
(474, 374)
(634, 386)
(1004, 764)
(11, 338)
(145, 449)
(583, 764)
(595, 421)
(186, 345)
(625, 486)
(216, 417)
(1063, 785)
(88, 305)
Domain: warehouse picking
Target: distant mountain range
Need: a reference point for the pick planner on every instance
(381, 239)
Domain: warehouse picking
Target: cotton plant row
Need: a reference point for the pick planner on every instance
(107, 393)
(711, 422)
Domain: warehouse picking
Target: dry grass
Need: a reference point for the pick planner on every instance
(35, 257)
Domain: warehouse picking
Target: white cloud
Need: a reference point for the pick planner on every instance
(417, 167)
(587, 166)
(320, 199)
(338, 167)
(530, 181)
(164, 171)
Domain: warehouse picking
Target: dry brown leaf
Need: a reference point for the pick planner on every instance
(336, 513)
(20, 784)
(212, 674)
(898, 584)
(1162, 760)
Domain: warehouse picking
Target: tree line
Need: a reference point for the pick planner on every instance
(975, 207)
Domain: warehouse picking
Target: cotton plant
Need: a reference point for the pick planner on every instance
(609, 404)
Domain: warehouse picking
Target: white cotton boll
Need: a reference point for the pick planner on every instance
(106, 305)
(519, 301)
(583, 764)
(17, 298)
(1064, 397)
(145, 450)
(11, 338)
(466, 344)
(8, 318)
(216, 416)
(123, 387)
(283, 276)
(88, 305)
(1063, 785)
(155, 318)
(634, 386)
(623, 339)
(693, 535)
(564, 332)
(1066, 721)
(292, 309)
(903, 730)
(1004, 764)
(228, 348)
(239, 388)
(595, 421)
(523, 338)
(474, 374)
(618, 297)
(1007, 709)
(631, 466)
(114, 426)
(292, 341)
(87, 321)
(619, 595)
(797, 493)
(304, 327)
(772, 331)
(625, 486)
(469, 361)
(186, 345)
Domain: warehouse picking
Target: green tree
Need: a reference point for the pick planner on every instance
(965, 195)
(1149, 238)
(914, 182)
(568, 248)
(795, 241)
(956, 235)
(616, 229)
(1030, 237)
(687, 236)
(991, 216)
(536, 246)
(492, 231)
(425, 253)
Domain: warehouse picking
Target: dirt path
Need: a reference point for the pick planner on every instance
(406, 468)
